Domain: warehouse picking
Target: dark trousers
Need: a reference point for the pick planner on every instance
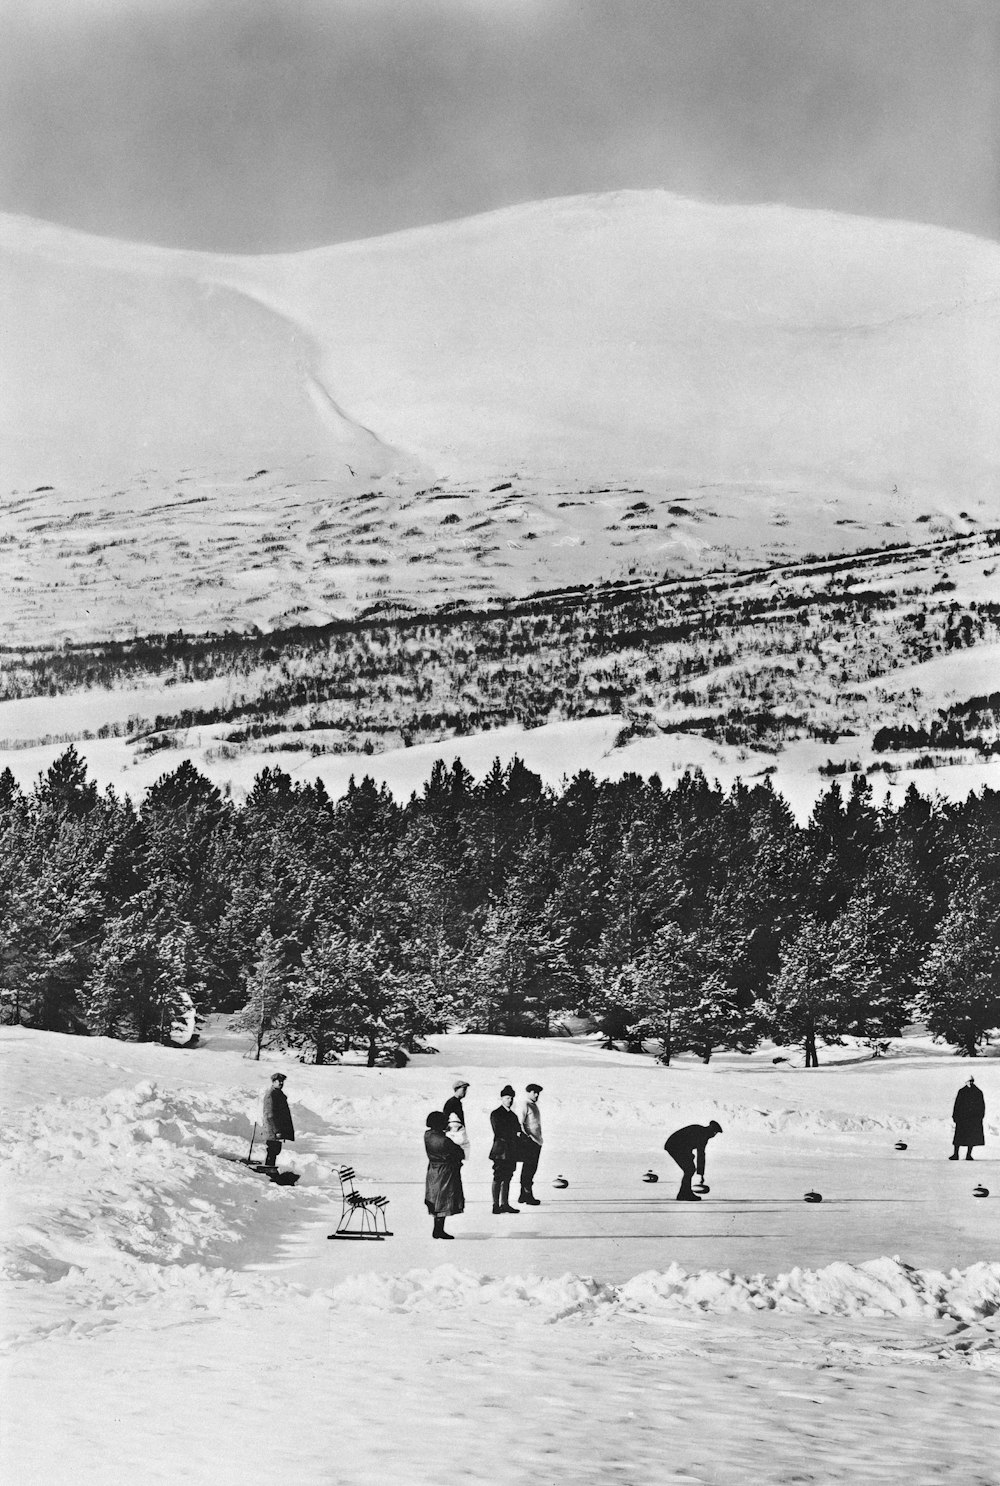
(685, 1160)
(529, 1165)
(273, 1152)
(502, 1173)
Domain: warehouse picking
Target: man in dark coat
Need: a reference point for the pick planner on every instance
(443, 1194)
(968, 1112)
(687, 1147)
(505, 1150)
(454, 1104)
(277, 1119)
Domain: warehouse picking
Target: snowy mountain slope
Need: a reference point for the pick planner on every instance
(640, 335)
(473, 409)
(116, 370)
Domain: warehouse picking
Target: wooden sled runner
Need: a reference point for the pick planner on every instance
(280, 1178)
(363, 1212)
(260, 1168)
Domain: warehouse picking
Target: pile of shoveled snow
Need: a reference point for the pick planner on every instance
(139, 1171)
(881, 1287)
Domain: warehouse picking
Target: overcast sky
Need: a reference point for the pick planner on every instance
(268, 124)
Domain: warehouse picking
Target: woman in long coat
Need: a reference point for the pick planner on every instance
(443, 1192)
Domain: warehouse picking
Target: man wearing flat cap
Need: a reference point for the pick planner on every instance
(531, 1143)
(277, 1119)
(454, 1104)
(505, 1152)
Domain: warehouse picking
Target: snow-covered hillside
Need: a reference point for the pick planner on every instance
(171, 1317)
(200, 441)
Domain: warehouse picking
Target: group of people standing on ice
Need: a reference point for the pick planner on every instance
(517, 1141)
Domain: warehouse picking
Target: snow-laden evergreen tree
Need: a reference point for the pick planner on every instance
(692, 1006)
(353, 991)
(516, 970)
(144, 979)
(959, 998)
(63, 859)
(810, 996)
(267, 989)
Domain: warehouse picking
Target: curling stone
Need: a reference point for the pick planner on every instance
(560, 1181)
(701, 1187)
(901, 1145)
(980, 1191)
(814, 1197)
(651, 1176)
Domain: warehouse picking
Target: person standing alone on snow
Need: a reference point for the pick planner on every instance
(505, 1150)
(968, 1112)
(531, 1143)
(277, 1119)
(687, 1147)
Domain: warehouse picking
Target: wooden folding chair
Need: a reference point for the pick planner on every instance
(367, 1210)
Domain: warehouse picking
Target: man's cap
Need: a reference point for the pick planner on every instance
(506, 1090)
(533, 1088)
(278, 1078)
(460, 1083)
(714, 1125)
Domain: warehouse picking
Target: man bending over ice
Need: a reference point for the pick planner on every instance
(687, 1147)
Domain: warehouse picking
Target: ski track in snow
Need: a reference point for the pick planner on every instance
(171, 1317)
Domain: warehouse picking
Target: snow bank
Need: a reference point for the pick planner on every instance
(881, 1287)
(884, 1287)
(139, 1171)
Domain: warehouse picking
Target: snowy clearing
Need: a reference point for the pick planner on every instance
(172, 1317)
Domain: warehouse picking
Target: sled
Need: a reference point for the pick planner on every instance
(280, 1178)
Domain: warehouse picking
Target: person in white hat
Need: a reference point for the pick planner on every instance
(455, 1115)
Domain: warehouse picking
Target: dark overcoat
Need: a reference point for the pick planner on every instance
(277, 1116)
(506, 1147)
(443, 1191)
(968, 1114)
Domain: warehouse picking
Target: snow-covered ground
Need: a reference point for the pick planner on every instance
(172, 1317)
